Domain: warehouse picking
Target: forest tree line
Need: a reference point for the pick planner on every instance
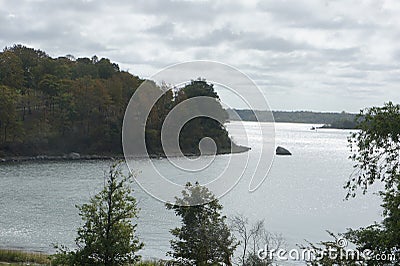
(330, 120)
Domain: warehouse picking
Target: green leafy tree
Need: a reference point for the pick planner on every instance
(11, 71)
(30, 59)
(204, 237)
(9, 124)
(198, 128)
(84, 67)
(376, 149)
(376, 152)
(107, 236)
(106, 69)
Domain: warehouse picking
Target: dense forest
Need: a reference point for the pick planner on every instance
(330, 120)
(60, 105)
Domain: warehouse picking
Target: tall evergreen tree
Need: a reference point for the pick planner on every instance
(204, 237)
(107, 236)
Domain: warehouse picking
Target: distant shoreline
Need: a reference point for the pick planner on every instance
(308, 117)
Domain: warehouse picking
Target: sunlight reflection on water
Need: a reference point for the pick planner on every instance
(301, 197)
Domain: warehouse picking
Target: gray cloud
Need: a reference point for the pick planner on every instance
(287, 10)
(313, 14)
(271, 43)
(302, 49)
(208, 39)
(194, 11)
(345, 54)
(165, 29)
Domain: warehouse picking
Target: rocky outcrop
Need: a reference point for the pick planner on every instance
(282, 151)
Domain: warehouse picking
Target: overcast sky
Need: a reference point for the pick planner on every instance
(305, 55)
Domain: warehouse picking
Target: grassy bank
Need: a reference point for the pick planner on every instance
(18, 257)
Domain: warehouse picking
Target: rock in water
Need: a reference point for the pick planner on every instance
(282, 151)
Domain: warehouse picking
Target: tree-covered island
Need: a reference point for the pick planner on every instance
(56, 106)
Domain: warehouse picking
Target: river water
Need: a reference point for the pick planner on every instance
(301, 197)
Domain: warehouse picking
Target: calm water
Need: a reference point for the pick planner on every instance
(301, 197)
